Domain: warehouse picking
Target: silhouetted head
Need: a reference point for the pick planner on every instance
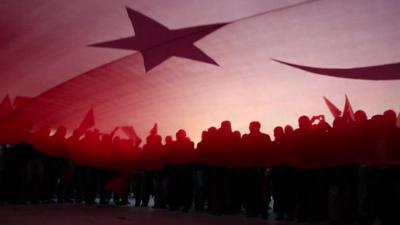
(226, 126)
(154, 139)
(360, 116)
(96, 134)
(237, 135)
(390, 117)
(378, 124)
(129, 142)
(278, 132)
(44, 131)
(168, 139)
(117, 140)
(61, 131)
(255, 127)
(204, 135)
(288, 129)
(157, 139)
(212, 133)
(304, 122)
(339, 123)
(76, 133)
(89, 134)
(181, 135)
(106, 139)
(212, 130)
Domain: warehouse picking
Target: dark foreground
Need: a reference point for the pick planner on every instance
(69, 214)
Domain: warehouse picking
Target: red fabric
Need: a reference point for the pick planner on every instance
(5, 107)
(88, 121)
(348, 113)
(333, 108)
(20, 101)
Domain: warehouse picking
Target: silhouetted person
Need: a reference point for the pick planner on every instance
(217, 174)
(152, 151)
(236, 186)
(40, 169)
(181, 181)
(120, 147)
(199, 173)
(3, 149)
(15, 161)
(281, 176)
(75, 170)
(154, 158)
(383, 175)
(104, 174)
(54, 164)
(256, 145)
(90, 143)
(306, 179)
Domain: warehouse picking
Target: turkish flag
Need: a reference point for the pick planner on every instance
(192, 64)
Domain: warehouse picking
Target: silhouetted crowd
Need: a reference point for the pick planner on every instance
(345, 173)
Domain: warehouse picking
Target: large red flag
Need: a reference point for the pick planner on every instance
(5, 107)
(348, 113)
(333, 108)
(88, 121)
(140, 83)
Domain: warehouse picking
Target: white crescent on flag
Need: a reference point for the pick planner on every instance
(45, 54)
